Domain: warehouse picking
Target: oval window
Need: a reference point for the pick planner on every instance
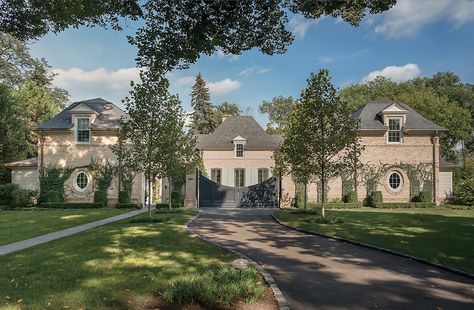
(395, 181)
(82, 180)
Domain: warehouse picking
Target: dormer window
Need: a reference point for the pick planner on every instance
(394, 130)
(239, 150)
(83, 133)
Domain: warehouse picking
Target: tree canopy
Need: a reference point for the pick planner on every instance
(278, 110)
(203, 118)
(174, 34)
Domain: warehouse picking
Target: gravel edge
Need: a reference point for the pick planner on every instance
(282, 303)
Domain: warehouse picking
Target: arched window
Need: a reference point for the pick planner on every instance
(82, 180)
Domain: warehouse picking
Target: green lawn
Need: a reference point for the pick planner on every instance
(21, 225)
(116, 266)
(440, 235)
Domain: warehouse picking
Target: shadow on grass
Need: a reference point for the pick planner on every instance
(115, 266)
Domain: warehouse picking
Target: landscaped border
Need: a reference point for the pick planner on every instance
(373, 247)
(282, 303)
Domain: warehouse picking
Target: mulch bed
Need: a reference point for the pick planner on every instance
(267, 302)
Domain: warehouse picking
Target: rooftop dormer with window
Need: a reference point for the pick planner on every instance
(82, 118)
(239, 146)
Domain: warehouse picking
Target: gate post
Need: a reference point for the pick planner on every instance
(190, 195)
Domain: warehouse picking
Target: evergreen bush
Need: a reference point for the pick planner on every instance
(375, 198)
(425, 196)
(53, 196)
(124, 197)
(6, 193)
(100, 197)
(351, 197)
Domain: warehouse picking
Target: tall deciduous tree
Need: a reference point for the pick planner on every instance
(226, 109)
(278, 110)
(154, 138)
(324, 131)
(204, 121)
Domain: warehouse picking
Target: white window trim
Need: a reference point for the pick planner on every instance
(401, 129)
(400, 186)
(261, 169)
(243, 150)
(76, 186)
(220, 172)
(77, 128)
(243, 177)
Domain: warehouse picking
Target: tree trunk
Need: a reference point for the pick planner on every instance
(355, 183)
(323, 198)
(170, 192)
(306, 196)
(148, 196)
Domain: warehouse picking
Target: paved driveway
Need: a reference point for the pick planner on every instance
(318, 273)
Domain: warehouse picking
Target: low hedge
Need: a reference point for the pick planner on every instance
(100, 197)
(165, 205)
(6, 193)
(351, 197)
(425, 196)
(375, 198)
(404, 205)
(335, 205)
(124, 197)
(72, 205)
(128, 205)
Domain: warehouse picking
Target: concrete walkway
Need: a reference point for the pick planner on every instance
(318, 273)
(24, 244)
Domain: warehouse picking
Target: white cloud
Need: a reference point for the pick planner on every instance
(230, 57)
(395, 73)
(331, 59)
(223, 87)
(186, 81)
(252, 70)
(300, 25)
(325, 59)
(407, 17)
(114, 80)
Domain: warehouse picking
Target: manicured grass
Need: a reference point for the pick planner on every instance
(116, 266)
(21, 225)
(440, 235)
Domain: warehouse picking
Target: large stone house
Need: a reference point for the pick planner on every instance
(83, 131)
(238, 157)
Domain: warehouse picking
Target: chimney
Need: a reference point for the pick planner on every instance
(224, 117)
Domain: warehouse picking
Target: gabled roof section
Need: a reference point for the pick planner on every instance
(234, 126)
(394, 108)
(30, 162)
(108, 116)
(371, 119)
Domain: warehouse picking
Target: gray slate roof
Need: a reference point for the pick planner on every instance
(30, 162)
(369, 118)
(108, 116)
(233, 126)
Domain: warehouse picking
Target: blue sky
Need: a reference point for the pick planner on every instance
(415, 38)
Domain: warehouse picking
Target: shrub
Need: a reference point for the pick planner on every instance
(351, 197)
(335, 205)
(6, 193)
(53, 196)
(404, 205)
(124, 197)
(71, 205)
(128, 205)
(299, 203)
(24, 198)
(166, 206)
(375, 198)
(176, 198)
(168, 211)
(464, 194)
(100, 197)
(425, 196)
(215, 289)
(53, 180)
(147, 219)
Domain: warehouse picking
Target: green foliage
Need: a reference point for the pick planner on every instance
(204, 121)
(71, 205)
(53, 196)
(100, 197)
(128, 205)
(103, 173)
(216, 288)
(336, 205)
(53, 179)
(403, 205)
(278, 110)
(176, 198)
(124, 197)
(226, 109)
(465, 192)
(370, 175)
(375, 198)
(6, 193)
(166, 206)
(351, 197)
(425, 196)
(24, 198)
(299, 196)
(150, 219)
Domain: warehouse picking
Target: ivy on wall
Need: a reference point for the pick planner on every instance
(53, 180)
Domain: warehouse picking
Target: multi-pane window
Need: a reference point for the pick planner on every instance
(239, 177)
(239, 150)
(83, 130)
(394, 130)
(216, 175)
(394, 181)
(82, 180)
(262, 175)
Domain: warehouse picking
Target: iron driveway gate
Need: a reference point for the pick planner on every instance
(262, 195)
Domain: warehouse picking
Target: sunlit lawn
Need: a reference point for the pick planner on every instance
(116, 266)
(21, 225)
(440, 235)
